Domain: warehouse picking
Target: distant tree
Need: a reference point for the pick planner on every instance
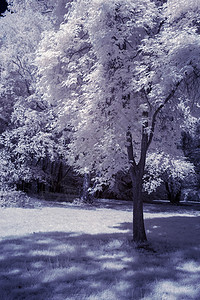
(117, 70)
(173, 172)
(190, 144)
(28, 125)
(20, 33)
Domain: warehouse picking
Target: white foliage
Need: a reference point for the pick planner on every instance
(19, 38)
(177, 9)
(162, 167)
(105, 71)
(26, 140)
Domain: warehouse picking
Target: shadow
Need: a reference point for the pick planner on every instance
(171, 233)
(122, 205)
(159, 206)
(154, 206)
(61, 265)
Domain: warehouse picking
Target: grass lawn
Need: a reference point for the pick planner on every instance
(63, 251)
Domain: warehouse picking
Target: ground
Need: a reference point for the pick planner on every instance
(57, 251)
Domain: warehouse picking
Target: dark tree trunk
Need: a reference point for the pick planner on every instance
(173, 196)
(136, 173)
(58, 182)
(85, 196)
(139, 234)
(137, 168)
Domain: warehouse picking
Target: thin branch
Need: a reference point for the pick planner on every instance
(88, 47)
(153, 124)
(47, 12)
(23, 75)
(144, 141)
(24, 69)
(66, 172)
(160, 26)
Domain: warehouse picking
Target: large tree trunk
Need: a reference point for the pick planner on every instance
(174, 196)
(136, 173)
(139, 235)
(85, 196)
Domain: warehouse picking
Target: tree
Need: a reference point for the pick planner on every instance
(18, 48)
(116, 69)
(190, 144)
(34, 152)
(191, 147)
(172, 171)
(20, 33)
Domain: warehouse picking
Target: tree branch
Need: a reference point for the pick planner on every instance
(23, 75)
(129, 145)
(144, 142)
(153, 124)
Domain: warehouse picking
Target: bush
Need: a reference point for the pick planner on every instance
(192, 195)
(13, 199)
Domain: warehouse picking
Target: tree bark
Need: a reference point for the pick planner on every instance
(86, 184)
(173, 196)
(139, 234)
(136, 173)
(137, 169)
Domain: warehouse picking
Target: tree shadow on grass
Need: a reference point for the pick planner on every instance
(167, 207)
(171, 262)
(60, 265)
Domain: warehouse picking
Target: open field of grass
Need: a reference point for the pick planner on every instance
(73, 252)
